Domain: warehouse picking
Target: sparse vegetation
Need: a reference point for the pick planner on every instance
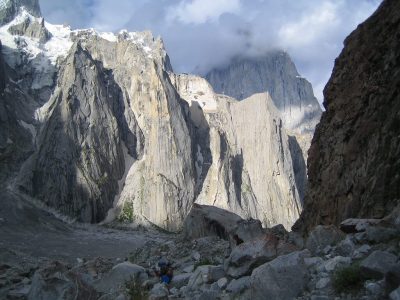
(135, 290)
(126, 215)
(203, 262)
(348, 279)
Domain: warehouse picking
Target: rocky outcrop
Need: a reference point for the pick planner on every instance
(31, 29)
(354, 160)
(252, 169)
(9, 9)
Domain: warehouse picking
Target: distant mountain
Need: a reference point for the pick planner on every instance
(276, 74)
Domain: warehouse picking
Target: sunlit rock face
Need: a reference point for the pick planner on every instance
(244, 158)
(292, 95)
(354, 159)
(97, 126)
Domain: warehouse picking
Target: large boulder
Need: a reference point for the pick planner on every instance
(119, 276)
(392, 277)
(283, 278)
(204, 220)
(205, 274)
(377, 264)
(55, 281)
(249, 255)
(323, 236)
(357, 225)
(236, 286)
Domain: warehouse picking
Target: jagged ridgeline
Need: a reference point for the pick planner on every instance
(99, 127)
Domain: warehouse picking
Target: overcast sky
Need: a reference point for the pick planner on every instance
(201, 34)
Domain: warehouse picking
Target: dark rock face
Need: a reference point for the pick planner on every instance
(10, 8)
(15, 119)
(354, 159)
(67, 165)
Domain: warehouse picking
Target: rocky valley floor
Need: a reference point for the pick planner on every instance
(52, 259)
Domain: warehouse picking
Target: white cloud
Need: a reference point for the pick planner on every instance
(200, 34)
(201, 11)
(311, 27)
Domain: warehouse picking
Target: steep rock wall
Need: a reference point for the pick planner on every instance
(354, 159)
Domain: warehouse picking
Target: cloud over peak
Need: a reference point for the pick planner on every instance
(201, 11)
(201, 34)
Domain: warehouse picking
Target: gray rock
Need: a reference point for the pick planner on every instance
(188, 269)
(205, 274)
(119, 275)
(159, 292)
(236, 286)
(361, 251)
(114, 296)
(346, 247)
(222, 283)
(207, 295)
(20, 293)
(319, 297)
(180, 280)
(174, 291)
(334, 263)
(377, 264)
(55, 282)
(204, 220)
(196, 255)
(323, 283)
(312, 262)
(378, 234)
(321, 237)
(373, 288)
(296, 239)
(271, 280)
(395, 295)
(245, 257)
(392, 277)
(357, 225)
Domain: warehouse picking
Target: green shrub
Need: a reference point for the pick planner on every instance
(348, 279)
(126, 214)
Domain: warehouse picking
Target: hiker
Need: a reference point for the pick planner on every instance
(165, 271)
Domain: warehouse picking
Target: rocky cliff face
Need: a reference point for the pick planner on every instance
(354, 159)
(292, 94)
(107, 131)
(16, 116)
(244, 158)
